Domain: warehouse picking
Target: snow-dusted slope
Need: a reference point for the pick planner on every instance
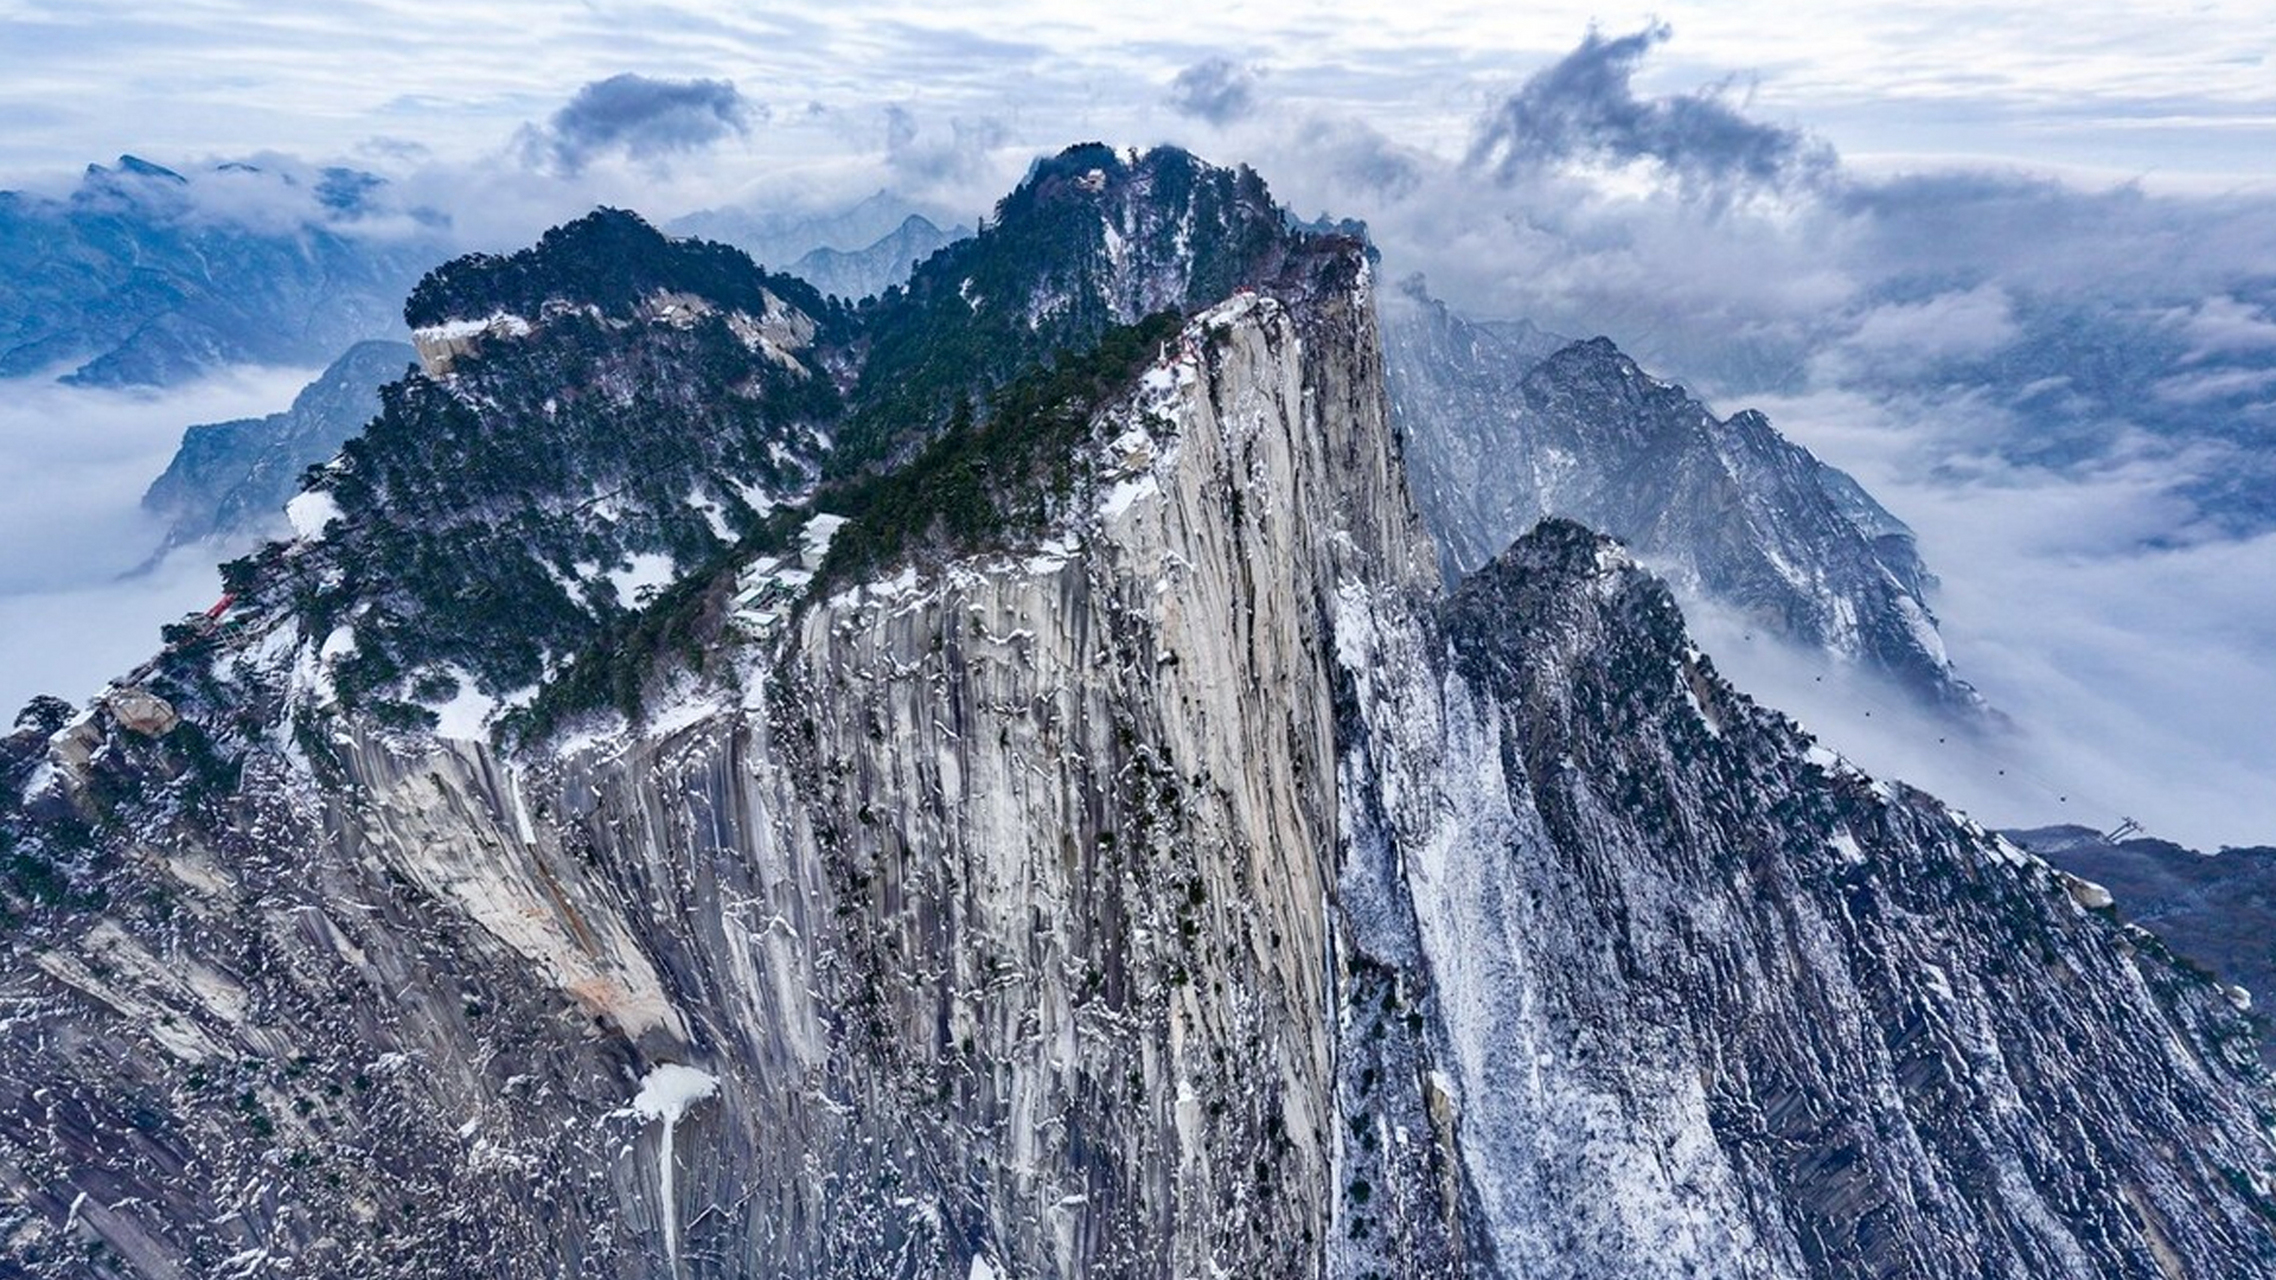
(1712, 1003)
(598, 417)
(993, 900)
(231, 480)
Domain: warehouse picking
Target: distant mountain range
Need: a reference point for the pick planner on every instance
(878, 266)
(143, 276)
(852, 252)
(233, 478)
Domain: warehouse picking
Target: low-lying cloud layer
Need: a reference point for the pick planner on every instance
(73, 465)
(2069, 391)
(2136, 674)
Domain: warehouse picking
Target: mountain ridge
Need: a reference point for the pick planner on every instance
(130, 280)
(1509, 428)
(870, 269)
(232, 479)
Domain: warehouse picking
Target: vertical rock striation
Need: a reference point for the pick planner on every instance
(1712, 1003)
(996, 900)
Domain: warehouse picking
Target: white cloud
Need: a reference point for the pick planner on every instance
(2134, 666)
(1972, 322)
(2200, 388)
(71, 639)
(73, 465)
(2039, 81)
(2225, 325)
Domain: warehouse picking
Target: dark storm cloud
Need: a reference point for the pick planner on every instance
(1217, 90)
(1584, 107)
(643, 119)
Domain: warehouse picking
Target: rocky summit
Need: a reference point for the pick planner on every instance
(991, 781)
(1507, 425)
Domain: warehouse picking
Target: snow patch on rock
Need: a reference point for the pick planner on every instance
(641, 576)
(311, 512)
(665, 1094)
(466, 716)
(814, 539)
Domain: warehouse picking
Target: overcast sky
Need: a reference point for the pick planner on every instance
(2181, 92)
(1891, 225)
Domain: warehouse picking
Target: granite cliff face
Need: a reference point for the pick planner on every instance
(2216, 909)
(1172, 884)
(1714, 1003)
(989, 898)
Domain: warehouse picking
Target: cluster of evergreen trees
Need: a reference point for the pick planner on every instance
(481, 511)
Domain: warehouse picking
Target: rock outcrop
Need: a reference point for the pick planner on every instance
(1713, 1003)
